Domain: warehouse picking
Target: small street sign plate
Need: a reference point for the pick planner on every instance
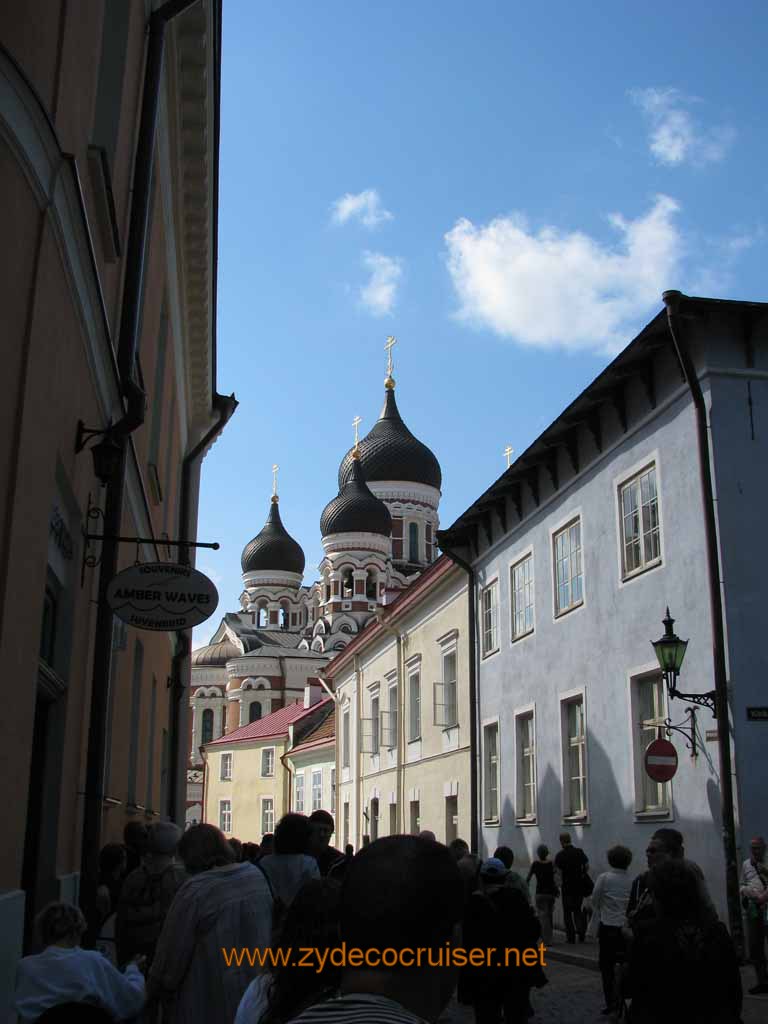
(757, 714)
(661, 760)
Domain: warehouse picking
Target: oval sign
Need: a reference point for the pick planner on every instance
(162, 596)
(660, 760)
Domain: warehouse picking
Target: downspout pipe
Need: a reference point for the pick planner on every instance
(474, 774)
(225, 406)
(673, 300)
(133, 417)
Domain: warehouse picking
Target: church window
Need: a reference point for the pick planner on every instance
(254, 711)
(346, 583)
(413, 542)
(263, 616)
(207, 731)
(370, 585)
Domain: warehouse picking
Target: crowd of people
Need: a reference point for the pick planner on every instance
(173, 911)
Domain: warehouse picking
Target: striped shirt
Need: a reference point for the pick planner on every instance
(358, 1008)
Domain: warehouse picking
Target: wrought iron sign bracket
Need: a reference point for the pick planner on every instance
(91, 560)
(687, 731)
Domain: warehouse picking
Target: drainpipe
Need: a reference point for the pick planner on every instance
(225, 406)
(474, 772)
(97, 755)
(672, 300)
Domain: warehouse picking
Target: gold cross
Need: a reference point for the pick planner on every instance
(274, 479)
(390, 342)
(356, 423)
(508, 451)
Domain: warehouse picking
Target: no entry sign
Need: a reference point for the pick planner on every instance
(661, 760)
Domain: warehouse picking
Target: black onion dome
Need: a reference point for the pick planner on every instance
(389, 451)
(273, 549)
(356, 509)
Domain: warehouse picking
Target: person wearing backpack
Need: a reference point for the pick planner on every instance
(499, 918)
(147, 894)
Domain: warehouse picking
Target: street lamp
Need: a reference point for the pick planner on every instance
(670, 651)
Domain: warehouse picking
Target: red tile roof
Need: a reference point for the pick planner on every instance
(273, 725)
(319, 735)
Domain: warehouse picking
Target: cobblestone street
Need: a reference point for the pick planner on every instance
(574, 996)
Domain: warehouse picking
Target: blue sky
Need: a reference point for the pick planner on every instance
(506, 187)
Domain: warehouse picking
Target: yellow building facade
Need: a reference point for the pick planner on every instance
(403, 736)
(247, 786)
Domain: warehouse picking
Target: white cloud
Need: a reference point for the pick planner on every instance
(556, 289)
(365, 207)
(379, 294)
(675, 137)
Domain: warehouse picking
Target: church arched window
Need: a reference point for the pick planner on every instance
(207, 730)
(263, 616)
(370, 585)
(254, 712)
(347, 583)
(413, 542)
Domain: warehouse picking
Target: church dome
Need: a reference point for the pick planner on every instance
(214, 655)
(389, 451)
(273, 550)
(355, 509)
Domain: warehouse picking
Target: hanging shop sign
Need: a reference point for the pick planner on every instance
(661, 760)
(162, 596)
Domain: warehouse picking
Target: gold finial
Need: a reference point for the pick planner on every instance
(274, 482)
(509, 451)
(389, 381)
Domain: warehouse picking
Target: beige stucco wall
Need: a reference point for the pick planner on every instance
(430, 769)
(247, 788)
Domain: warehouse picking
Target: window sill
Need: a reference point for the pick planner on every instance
(522, 636)
(489, 654)
(641, 816)
(527, 821)
(575, 819)
(628, 577)
(492, 822)
(568, 610)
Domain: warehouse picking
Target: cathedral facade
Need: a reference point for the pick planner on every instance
(378, 536)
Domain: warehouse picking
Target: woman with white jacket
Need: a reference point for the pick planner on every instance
(609, 915)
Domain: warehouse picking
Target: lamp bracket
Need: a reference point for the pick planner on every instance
(90, 561)
(704, 700)
(686, 730)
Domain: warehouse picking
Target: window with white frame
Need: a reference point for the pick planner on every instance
(333, 790)
(568, 571)
(317, 789)
(268, 762)
(375, 722)
(267, 815)
(521, 586)
(225, 815)
(414, 706)
(491, 769)
(640, 527)
(489, 611)
(299, 793)
(226, 766)
(575, 757)
(389, 719)
(651, 713)
(526, 766)
(345, 738)
(446, 699)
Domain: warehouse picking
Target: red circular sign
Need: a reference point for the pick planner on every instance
(661, 760)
